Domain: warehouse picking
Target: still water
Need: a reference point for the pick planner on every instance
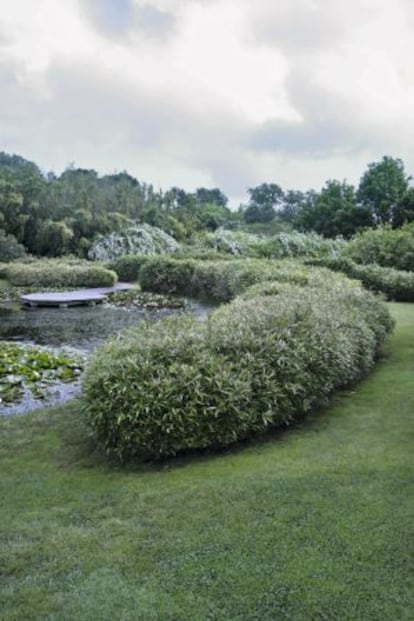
(78, 328)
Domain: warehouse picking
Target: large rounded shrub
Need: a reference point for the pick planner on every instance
(256, 363)
(137, 239)
(384, 246)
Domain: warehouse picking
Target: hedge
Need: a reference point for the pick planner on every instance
(220, 280)
(127, 267)
(50, 273)
(394, 284)
(256, 363)
(383, 246)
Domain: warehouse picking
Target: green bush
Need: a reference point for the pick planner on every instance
(394, 284)
(384, 246)
(10, 249)
(181, 384)
(217, 280)
(166, 275)
(128, 266)
(55, 273)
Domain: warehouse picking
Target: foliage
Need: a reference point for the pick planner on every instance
(167, 275)
(263, 203)
(236, 243)
(127, 266)
(9, 247)
(278, 246)
(395, 284)
(139, 239)
(382, 187)
(384, 246)
(59, 273)
(295, 244)
(333, 211)
(180, 385)
(54, 215)
(54, 239)
(33, 369)
(220, 280)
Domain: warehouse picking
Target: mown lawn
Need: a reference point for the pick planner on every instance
(311, 524)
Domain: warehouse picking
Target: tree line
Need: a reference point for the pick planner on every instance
(52, 215)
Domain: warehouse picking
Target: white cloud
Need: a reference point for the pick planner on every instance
(218, 92)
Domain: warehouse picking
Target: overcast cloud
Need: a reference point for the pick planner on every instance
(226, 93)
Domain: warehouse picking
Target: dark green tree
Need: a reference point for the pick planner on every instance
(382, 187)
(334, 211)
(264, 200)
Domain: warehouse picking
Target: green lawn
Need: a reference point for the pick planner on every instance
(312, 524)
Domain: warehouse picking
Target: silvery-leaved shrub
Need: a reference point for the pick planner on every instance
(256, 363)
(139, 239)
(279, 246)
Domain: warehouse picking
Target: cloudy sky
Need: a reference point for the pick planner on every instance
(227, 93)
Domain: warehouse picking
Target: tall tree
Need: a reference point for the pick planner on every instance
(264, 200)
(381, 188)
(333, 211)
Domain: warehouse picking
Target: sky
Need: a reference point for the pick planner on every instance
(212, 93)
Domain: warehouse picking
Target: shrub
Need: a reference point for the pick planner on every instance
(166, 275)
(384, 246)
(280, 246)
(181, 384)
(51, 273)
(138, 239)
(127, 266)
(222, 280)
(394, 284)
(9, 247)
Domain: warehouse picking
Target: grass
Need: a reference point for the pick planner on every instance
(311, 524)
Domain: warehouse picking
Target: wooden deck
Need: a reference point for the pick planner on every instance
(63, 299)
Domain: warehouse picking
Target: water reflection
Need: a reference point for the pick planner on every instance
(79, 327)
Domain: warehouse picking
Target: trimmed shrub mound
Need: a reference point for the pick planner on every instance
(256, 363)
(52, 273)
(397, 285)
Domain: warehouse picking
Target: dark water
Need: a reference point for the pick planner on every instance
(79, 328)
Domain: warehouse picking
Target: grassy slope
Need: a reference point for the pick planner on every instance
(312, 524)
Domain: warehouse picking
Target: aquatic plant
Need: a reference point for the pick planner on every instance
(34, 370)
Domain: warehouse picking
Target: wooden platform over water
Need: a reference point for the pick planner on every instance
(79, 297)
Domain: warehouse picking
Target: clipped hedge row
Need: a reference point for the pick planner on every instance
(222, 280)
(394, 284)
(50, 273)
(259, 362)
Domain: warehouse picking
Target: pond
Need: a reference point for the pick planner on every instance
(78, 328)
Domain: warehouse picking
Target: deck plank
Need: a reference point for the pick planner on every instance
(73, 298)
